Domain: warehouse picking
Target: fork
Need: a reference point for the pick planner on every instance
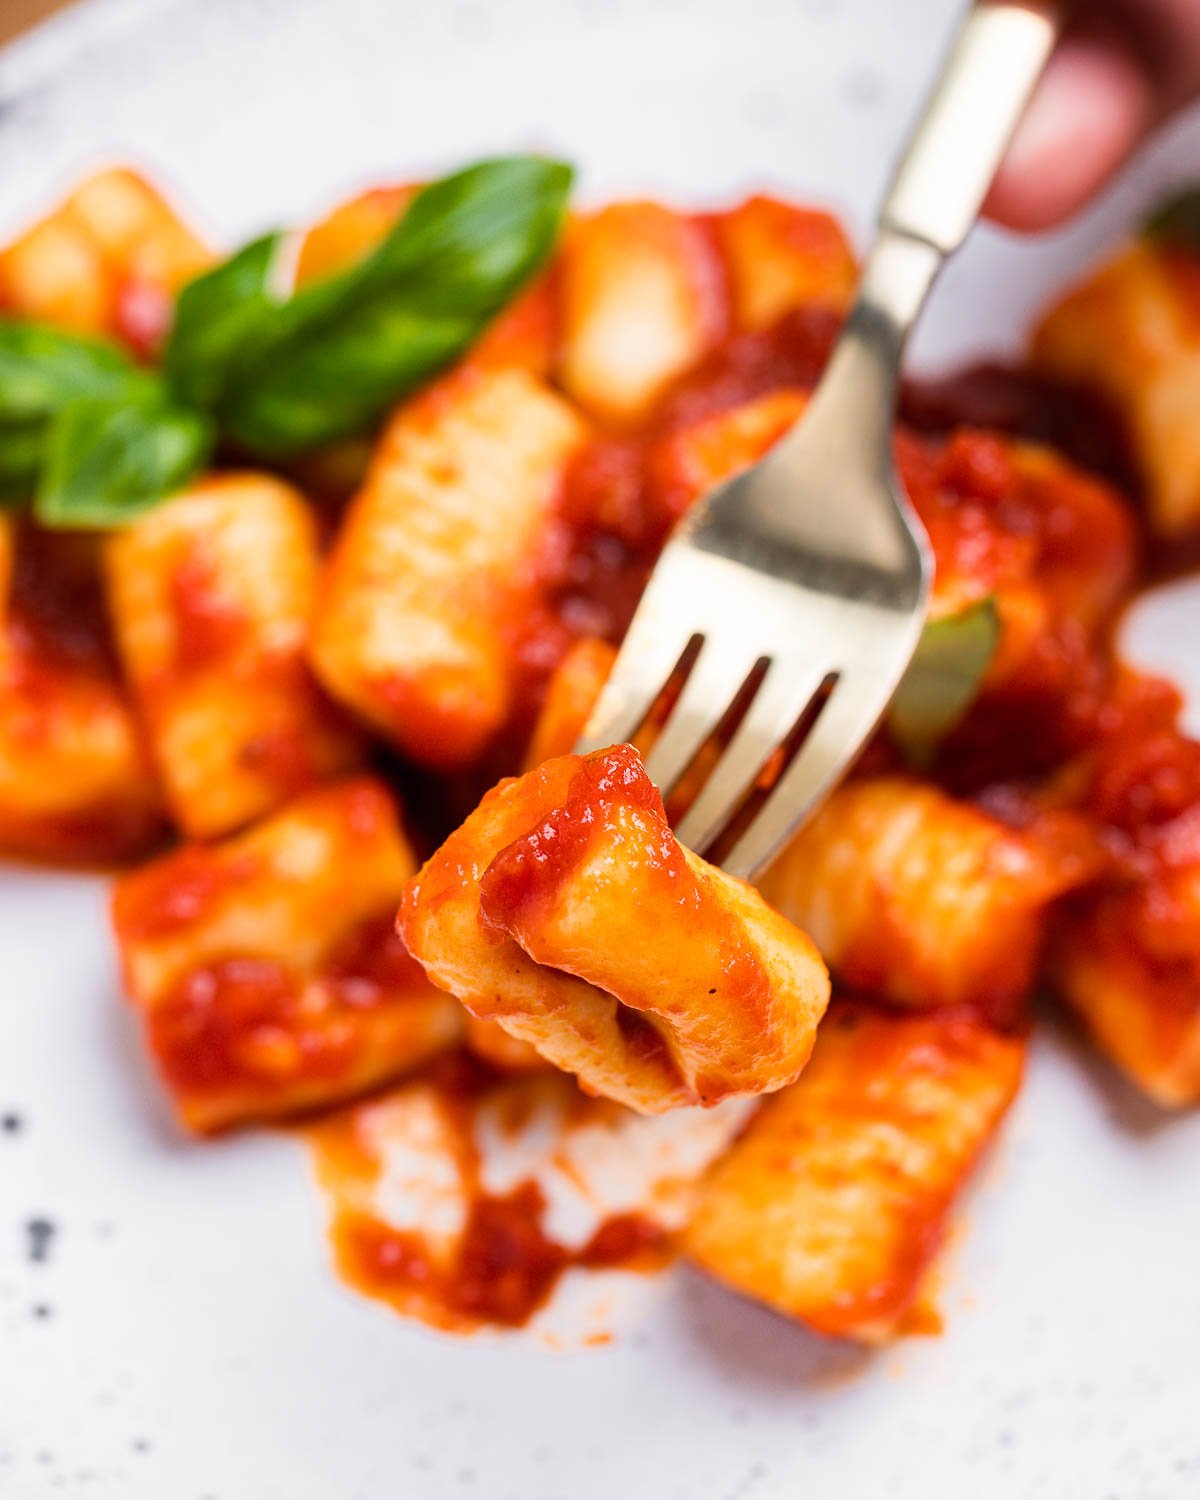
(805, 579)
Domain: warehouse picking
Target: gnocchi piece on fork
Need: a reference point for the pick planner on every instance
(565, 909)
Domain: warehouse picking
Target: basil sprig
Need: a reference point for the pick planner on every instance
(943, 679)
(288, 375)
(22, 445)
(97, 440)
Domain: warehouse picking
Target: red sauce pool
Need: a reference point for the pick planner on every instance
(57, 613)
(253, 1020)
(503, 1265)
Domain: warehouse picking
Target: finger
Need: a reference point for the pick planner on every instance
(1093, 106)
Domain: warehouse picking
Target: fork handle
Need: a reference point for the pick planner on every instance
(953, 154)
(935, 195)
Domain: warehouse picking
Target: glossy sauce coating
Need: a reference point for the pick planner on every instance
(267, 970)
(247, 1020)
(211, 594)
(614, 814)
(436, 568)
(925, 901)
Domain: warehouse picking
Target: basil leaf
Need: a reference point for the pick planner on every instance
(42, 371)
(21, 450)
(216, 317)
(473, 234)
(943, 679)
(109, 461)
(42, 368)
(1176, 221)
(330, 361)
(334, 387)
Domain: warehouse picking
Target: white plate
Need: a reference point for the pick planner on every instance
(193, 1342)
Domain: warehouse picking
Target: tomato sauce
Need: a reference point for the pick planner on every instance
(789, 355)
(207, 623)
(502, 1265)
(1003, 398)
(1144, 795)
(250, 1020)
(64, 719)
(168, 897)
(57, 618)
(1056, 551)
(504, 1268)
(532, 869)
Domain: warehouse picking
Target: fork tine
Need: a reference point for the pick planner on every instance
(854, 708)
(649, 654)
(782, 697)
(716, 677)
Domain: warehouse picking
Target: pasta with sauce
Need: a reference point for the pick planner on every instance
(307, 665)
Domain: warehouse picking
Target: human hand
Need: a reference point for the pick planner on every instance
(1121, 69)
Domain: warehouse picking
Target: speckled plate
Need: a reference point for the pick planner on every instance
(180, 1336)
